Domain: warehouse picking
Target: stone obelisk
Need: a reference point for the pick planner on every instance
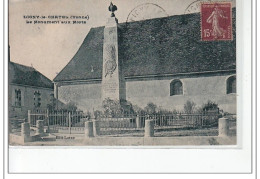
(113, 83)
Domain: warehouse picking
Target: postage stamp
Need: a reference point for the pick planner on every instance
(216, 21)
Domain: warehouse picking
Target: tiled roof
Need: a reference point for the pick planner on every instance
(24, 75)
(169, 45)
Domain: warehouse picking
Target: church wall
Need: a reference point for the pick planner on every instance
(198, 90)
(86, 96)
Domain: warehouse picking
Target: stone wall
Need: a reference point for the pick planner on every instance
(140, 92)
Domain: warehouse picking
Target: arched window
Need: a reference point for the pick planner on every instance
(231, 85)
(176, 88)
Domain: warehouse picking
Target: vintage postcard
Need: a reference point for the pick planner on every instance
(122, 73)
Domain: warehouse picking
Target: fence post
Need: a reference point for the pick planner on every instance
(191, 116)
(25, 130)
(69, 123)
(89, 129)
(223, 127)
(29, 116)
(149, 128)
(96, 129)
(138, 121)
(39, 127)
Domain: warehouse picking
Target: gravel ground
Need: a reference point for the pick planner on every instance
(77, 139)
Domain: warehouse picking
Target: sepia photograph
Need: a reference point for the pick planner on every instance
(122, 73)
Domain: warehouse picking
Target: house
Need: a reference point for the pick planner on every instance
(162, 60)
(28, 90)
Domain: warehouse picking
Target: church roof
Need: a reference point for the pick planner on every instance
(24, 75)
(170, 45)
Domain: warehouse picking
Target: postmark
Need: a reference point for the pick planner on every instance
(216, 21)
(193, 7)
(146, 11)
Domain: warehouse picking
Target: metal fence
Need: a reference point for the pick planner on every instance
(161, 121)
(120, 122)
(35, 115)
(185, 120)
(75, 121)
(62, 120)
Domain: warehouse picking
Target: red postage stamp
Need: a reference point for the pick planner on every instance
(216, 21)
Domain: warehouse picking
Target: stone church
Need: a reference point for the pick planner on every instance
(161, 60)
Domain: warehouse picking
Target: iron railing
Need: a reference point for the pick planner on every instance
(76, 120)
(57, 118)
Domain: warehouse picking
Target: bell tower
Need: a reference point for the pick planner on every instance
(113, 83)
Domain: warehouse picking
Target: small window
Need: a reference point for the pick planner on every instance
(37, 99)
(231, 85)
(18, 98)
(176, 88)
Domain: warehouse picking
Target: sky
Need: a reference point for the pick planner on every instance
(49, 47)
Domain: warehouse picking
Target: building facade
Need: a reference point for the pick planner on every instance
(28, 90)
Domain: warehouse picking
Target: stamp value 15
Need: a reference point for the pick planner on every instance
(216, 21)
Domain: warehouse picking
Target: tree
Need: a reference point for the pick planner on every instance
(189, 107)
(97, 113)
(138, 110)
(210, 106)
(52, 104)
(150, 108)
(71, 106)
